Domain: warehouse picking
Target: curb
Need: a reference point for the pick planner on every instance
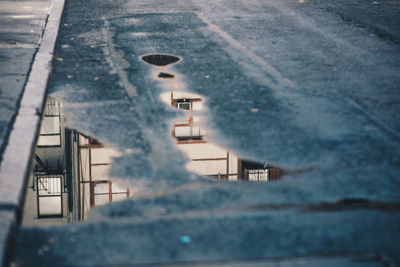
(17, 154)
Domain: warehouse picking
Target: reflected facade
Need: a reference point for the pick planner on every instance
(208, 159)
(68, 174)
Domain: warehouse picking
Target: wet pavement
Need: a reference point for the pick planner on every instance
(194, 101)
(21, 27)
(22, 24)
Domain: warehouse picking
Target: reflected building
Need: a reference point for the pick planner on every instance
(68, 174)
(208, 159)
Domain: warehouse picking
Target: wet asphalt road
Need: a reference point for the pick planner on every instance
(323, 78)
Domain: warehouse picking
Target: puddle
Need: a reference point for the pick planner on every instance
(165, 75)
(68, 174)
(160, 60)
(207, 159)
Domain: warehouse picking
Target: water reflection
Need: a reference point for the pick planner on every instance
(69, 173)
(69, 170)
(161, 60)
(207, 159)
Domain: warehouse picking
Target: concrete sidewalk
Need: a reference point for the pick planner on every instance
(22, 25)
(25, 57)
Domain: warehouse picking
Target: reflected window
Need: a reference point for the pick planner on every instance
(183, 105)
(187, 129)
(187, 132)
(49, 195)
(257, 172)
(257, 175)
(95, 163)
(50, 130)
(103, 192)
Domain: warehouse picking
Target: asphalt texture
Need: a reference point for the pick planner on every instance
(323, 78)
